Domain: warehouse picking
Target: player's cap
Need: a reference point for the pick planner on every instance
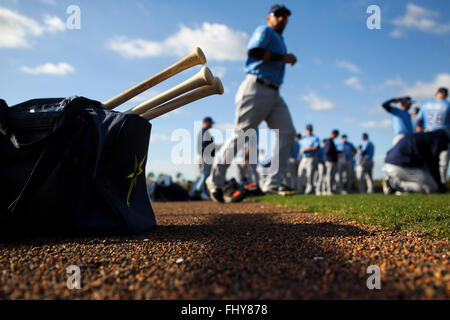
(365, 136)
(443, 90)
(335, 132)
(406, 100)
(344, 136)
(208, 119)
(279, 8)
(309, 127)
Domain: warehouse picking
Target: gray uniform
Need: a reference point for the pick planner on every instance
(256, 102)
(410, 179)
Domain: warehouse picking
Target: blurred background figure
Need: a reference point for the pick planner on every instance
(364, 167)
(293, 162)
(321, 170)
(310, 145)
(435, 115)
(205, 141)
(331, 158)
(412, 165)
(401, 119)
(347, 153)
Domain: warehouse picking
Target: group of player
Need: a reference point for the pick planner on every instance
(314, 166)
(418, 161)
(326, 168)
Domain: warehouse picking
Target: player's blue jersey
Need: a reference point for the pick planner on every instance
(321, 155)
(347, 149)
(267, 38)
(310, 142)
(295, 150)
(401, 121)
(435, 114)
(368, 150)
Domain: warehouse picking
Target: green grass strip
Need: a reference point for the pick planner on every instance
(428, 214)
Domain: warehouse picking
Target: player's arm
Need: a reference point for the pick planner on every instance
(387, 105)
(266, 56)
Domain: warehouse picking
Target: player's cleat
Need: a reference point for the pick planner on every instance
(281, 190)
(252, 190)
(286, 191)
(232, 192)
(387, 188)
(215, 193)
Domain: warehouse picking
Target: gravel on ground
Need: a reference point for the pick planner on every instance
(204, 250)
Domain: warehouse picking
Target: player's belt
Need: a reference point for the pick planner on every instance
(267, 83)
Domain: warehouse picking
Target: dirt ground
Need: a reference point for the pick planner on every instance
(204, 250)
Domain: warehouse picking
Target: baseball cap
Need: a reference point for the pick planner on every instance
(365, 136)
(309, 127)
(344, 136)
(406, 100)
(280, 8)
(208, 119)
(443, 91)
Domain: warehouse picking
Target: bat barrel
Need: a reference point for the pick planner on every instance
(195, 58)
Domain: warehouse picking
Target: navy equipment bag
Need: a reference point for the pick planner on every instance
(69, 166)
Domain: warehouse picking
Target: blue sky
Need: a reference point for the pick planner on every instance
(345, 70)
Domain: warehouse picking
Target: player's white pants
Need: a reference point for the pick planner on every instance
(397, 138)
(329, 176)
(320, 180)
(345, 166)
(256, 103)
(364, 175)
(443, 162)
(247, 173)
(305, 174)
(410, 179)
(291, 173)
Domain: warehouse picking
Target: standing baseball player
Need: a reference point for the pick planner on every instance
(401, 119)
(293, 162)
(258, 99)
(320, 181)
(310, 146)
(435, 115)
(347, 153)
(364, 167)
(331, 158)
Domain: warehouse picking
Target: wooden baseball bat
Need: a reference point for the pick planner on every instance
(195, 58)
(202, 78)
(205, 91)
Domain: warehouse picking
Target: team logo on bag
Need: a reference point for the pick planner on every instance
(133, 176)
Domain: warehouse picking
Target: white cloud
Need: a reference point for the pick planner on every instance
(317, 103)
(218, 42)
(348, 120)
(145, 96)
(54, 24)
(17, 29)
(354, 83)
(397, 33)
(51, 2)
(156, 137)
(59, 69)
(219, 71)
(428, 90)
(420, 18)
(347, 65)
(396, 82)
(377, 124)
